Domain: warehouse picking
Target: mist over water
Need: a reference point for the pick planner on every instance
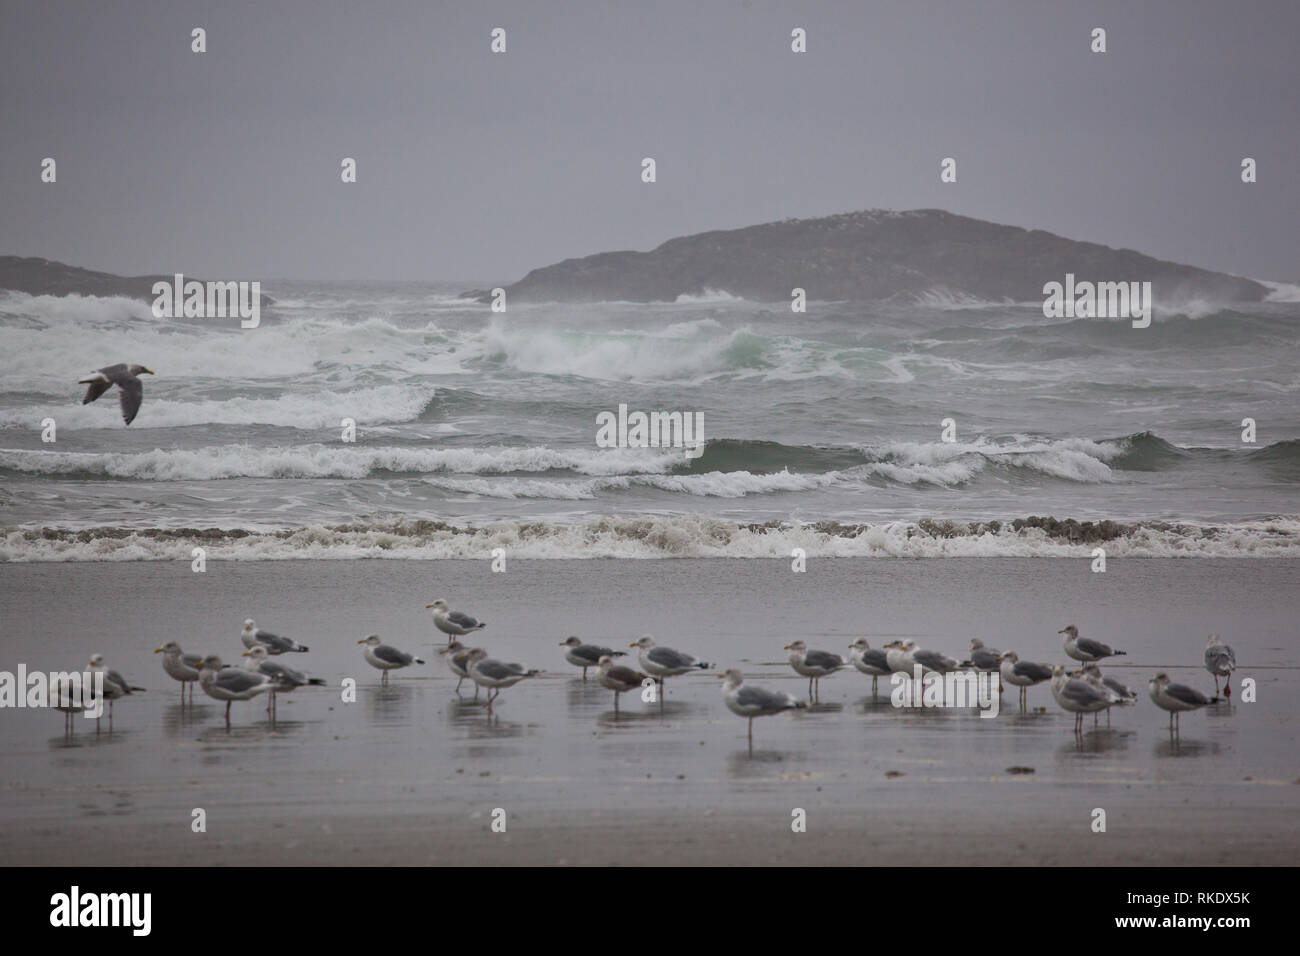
(477, 429)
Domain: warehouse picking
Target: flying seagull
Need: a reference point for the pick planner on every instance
(126, 378)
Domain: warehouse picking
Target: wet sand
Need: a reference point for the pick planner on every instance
(409, 774)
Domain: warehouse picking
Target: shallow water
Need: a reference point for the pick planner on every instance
(554, 745)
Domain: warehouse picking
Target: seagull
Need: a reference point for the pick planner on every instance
(495, 675)
(1023, 674)
(618, 678)
(1079, 696)
(813, 665)
(985, 658)
(872, 661)
(285, 677)
(1122, 695)
(184, 667)
(750, 701)
(252, 636)
(130, 390)
(1221, 662)
(453, 622)
(456, 655)
(70, 703)
(899, 656)
(231, 684)
(663, 662)
(936, 662)
(1176, 698)
(586, 655)
(1085, 648)
(115, 686)
(384, 657)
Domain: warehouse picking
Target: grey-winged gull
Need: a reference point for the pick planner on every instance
(181, 666)
(1176, 698)
(495, 675)
(619, 678)
(115, 685)
(1079, 697)
(1123, 695)
(750, 701)
(586, 655)
(384, 657)
(1022, 674)
(231, 683)
(664, 662)
(453, 623)
(1085, 648)
(456, 656)
(130, 390)
(899, 655)
(813, 664)
(872, 661)
(252, 635)
(984, 657)
(285, 677)
(1221, 662)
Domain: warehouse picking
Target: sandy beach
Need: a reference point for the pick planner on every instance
(410, 774)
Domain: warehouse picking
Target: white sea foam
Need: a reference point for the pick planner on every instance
(648, 537)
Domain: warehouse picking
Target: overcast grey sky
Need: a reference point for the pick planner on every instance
(480, 166)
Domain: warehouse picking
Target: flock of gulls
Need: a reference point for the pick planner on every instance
(1083, 691)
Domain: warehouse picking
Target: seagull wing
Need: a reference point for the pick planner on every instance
(1186, 695)
(761, 698)
(462, 620)
(823, 659)
(1093, 648)
(391, 655)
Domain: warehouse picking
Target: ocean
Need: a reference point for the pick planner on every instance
(477, 430)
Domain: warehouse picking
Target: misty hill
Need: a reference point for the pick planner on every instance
(876, 254)
(47, 277)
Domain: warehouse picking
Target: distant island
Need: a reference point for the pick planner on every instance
(870, 255)
(36, 276)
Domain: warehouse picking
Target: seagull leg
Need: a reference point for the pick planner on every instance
(615, 703)
(228, 713)
(584, 673)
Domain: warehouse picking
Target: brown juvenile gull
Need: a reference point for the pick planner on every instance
(1221, 662)
(115, 685)
(813, 664)
(231, 683)
(1176, 698)
(619, 678)
(184, 667)
(586, 655)
(130, 390)
(252, 635)
(452, 623)
(384, 657)
(285, 677)
(495, 675)
(749, 701)
(1085, 648)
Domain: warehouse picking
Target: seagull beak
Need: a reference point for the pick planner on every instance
(246, 654)
(148, 372)
(786, 648)
(633, 644)
(157, 650)
(719, 675)
(362, 641)
(1061, 631)
(427, 606)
